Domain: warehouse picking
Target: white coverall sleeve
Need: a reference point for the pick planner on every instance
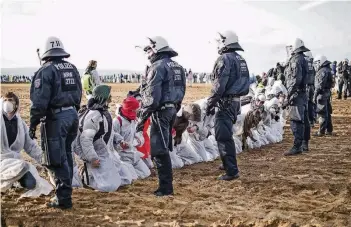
(30, 146)
(117, 138)
(202, 131)
(96, 77)
(138, 139)
(90, 128)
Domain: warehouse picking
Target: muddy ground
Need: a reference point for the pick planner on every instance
(312, 189)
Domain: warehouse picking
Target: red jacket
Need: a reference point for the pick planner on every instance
(145, 148)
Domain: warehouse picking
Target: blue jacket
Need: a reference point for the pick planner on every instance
(230, 77)
(56, 84)
(165, 83)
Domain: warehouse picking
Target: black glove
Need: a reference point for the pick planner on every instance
(140, 126)
(177, 140)
(276, 118)
(210, 111)
(32, 133)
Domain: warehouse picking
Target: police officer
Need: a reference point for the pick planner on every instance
(296, 74)
(322, 95)
(310, 88)
(162, 95)
(230, 79)
(343, 71)
(55, 94)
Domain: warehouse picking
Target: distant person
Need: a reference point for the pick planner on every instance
(190, 77)
(90, 79)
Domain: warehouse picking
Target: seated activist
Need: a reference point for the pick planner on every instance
(14, 138)
(124, 125)
(91, 144)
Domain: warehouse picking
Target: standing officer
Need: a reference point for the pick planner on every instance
(296, 74)
(162, 95)
(231, 79)
(322, 95)
(56, 93)
(310, 88)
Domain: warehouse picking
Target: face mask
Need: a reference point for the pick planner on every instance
(8, 107)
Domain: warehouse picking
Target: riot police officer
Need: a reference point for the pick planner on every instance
(162, 95)
(231, 79)
(310, 88)
(322, 95)
(55, 94)
(343, 71)
(296, 74)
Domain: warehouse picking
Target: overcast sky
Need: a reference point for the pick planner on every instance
(108, 30)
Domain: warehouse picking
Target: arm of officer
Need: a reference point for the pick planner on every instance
(80, 87)
(296, 68)
(319, 83)
(30, 146)
(90, 128)
(221, 74)
(40, 95)
(152, 92)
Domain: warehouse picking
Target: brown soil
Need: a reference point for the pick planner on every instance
(312, 189)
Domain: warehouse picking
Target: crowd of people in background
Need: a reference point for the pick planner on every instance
(15, 79)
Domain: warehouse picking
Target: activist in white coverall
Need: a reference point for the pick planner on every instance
(125, 125)
(14, 138)
(91, 144)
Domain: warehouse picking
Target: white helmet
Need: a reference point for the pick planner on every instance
(227, 38)
(158, 44)
(54, 48)
(320, 60)
(297, 46)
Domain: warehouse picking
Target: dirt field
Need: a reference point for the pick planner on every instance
(313, 189)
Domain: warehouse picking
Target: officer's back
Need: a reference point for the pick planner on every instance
(55, 94)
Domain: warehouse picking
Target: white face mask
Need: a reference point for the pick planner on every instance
(8, 107)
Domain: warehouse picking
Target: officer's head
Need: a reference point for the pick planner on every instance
(102, 94)
(54, 49)
(295, 47)
(228, 40)
(320, 61)
(308, 56)
(156, 45)
(10, 103)
(346, 61)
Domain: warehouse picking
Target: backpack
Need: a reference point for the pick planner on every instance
(83, 113)
(87, 83)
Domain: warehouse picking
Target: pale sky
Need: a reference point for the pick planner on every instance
(108, 30)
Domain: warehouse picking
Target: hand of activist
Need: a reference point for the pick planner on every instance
(95, 163)
(192, 129)
(124, 145)
(32, 133)
(177, 140)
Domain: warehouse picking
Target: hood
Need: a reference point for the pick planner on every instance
(301, 50)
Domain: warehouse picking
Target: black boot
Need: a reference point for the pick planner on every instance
(55, 204)
(293, 151)
(305, 146)
(228, 177)
(159, 193)
(318, 134)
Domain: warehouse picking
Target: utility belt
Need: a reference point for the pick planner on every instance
(61, 109)
(230, 98)
(167, 105)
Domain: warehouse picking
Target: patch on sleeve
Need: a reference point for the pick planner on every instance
(37, 83)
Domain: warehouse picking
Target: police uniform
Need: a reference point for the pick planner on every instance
(230, 79)
(310, 91)
(322, 95)
(55, 94)
(162, 94)
(343, 70)
(296, 74)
